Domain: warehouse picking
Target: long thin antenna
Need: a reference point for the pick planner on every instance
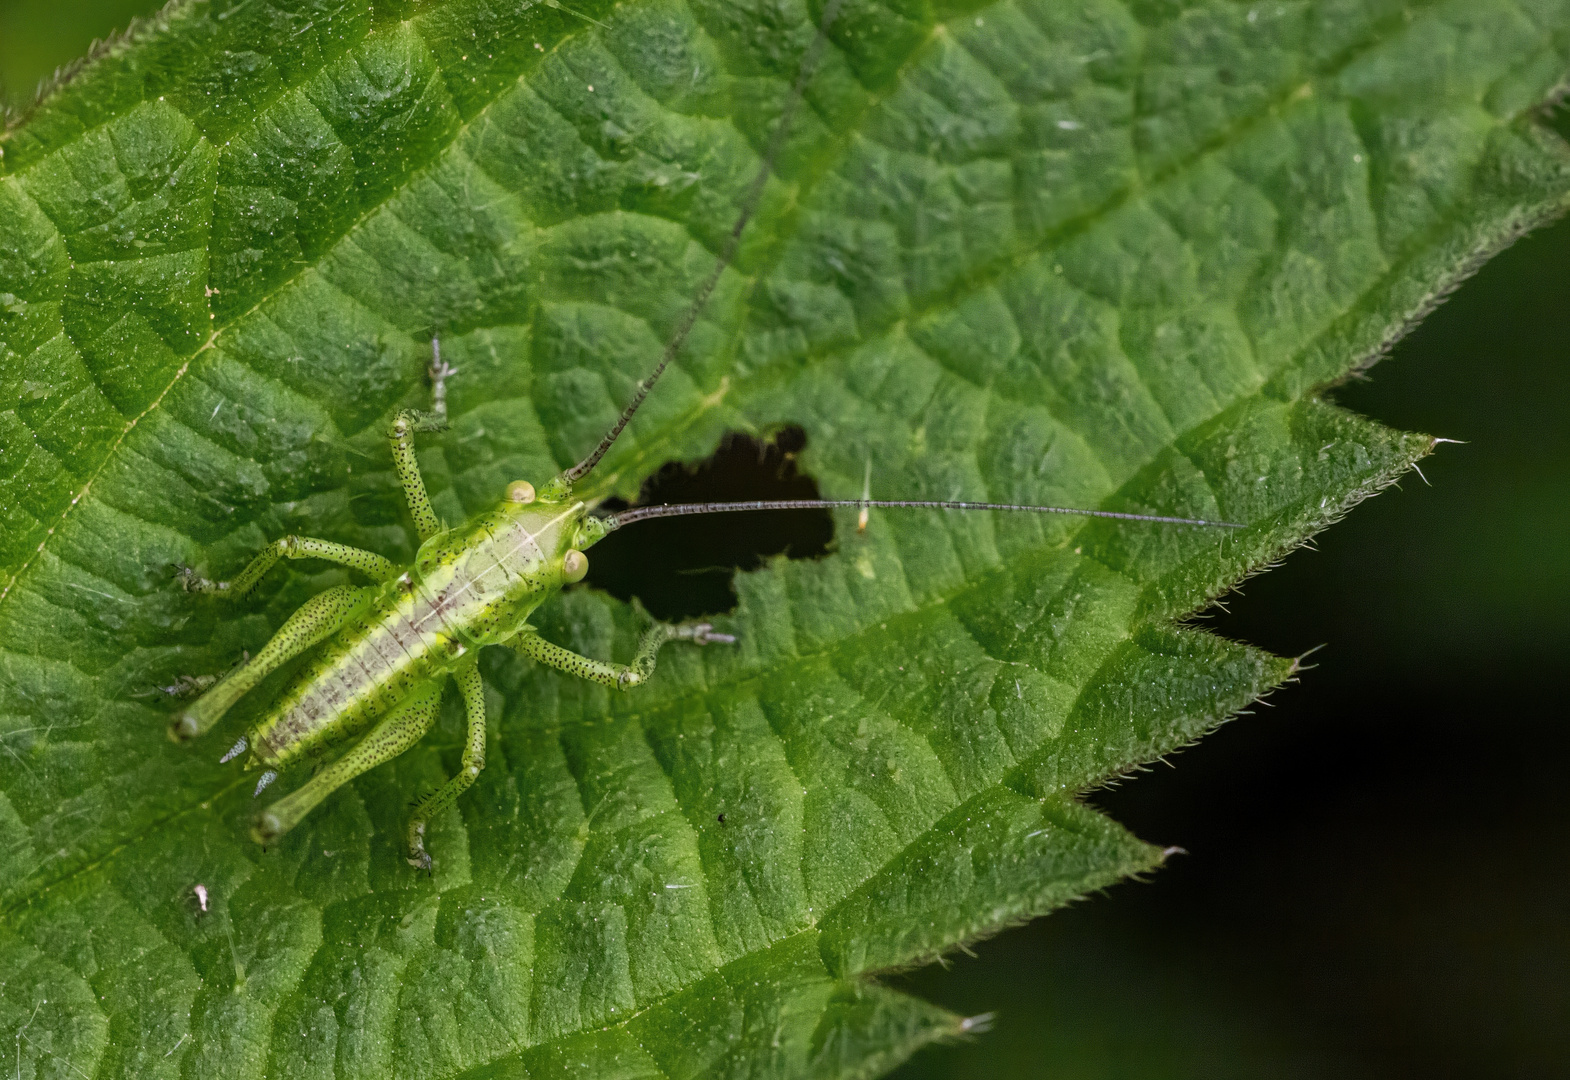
(646, 513)
(749, 204)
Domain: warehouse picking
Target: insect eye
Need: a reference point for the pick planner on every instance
(520, 491)
(574, 566)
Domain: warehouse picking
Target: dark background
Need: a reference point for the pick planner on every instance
(1377, 882)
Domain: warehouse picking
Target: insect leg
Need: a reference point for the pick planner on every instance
(473, 690)
(315, 619)
(395, 733)
(400, 434)
(368, 563)
(617, 676)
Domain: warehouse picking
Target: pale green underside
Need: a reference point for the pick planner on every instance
(1083, 252)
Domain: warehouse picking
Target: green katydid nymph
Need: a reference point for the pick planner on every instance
(388, 649)
(391, 646)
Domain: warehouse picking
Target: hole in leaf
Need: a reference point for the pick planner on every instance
(685, 567)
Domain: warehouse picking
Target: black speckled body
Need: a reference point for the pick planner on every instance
(471, 586)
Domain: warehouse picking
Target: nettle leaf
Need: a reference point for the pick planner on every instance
(1091, 253)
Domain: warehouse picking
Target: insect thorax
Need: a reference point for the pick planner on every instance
(470, 586)
(483, 579)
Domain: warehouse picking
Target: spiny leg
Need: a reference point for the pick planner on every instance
(314, 620)
(368, 563)
(473, 690)
(395, 733)
(617, 676)
(400, 434)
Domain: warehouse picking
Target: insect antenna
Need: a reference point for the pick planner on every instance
(700, 299)
(615, 521)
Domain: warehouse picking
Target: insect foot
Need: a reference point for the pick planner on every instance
(701, 634)
(191, 581)
(184, 686)
(419, 858)
(642, 667)
(189, 685)
(439, 371)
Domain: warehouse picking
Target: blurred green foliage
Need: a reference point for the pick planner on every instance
(38, 36)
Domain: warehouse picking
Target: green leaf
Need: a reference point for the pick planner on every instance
(1092, 254)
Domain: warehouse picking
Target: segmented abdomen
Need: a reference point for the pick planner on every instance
(416, 628)
(362, 673)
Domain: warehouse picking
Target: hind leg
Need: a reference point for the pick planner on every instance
(317, 618)
(400, 436)
(392, 735)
